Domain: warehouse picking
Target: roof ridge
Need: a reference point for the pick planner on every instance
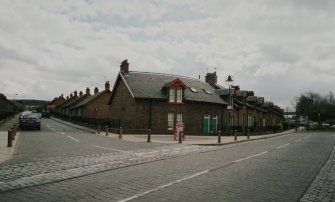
(165, 74)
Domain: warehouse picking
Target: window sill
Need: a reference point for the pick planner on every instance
(176, 103)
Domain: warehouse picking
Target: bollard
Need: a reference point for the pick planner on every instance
(9, 142)
(235, 135)
(219, 137)
(248, 134)
(15, 130)
(98, 129)
(149, 136)
(13, 135)
(120, 133)
(106, 130)
(180, 140)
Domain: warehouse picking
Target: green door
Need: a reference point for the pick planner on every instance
(215, 124)
(206, 124)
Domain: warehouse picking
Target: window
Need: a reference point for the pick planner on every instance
(170, 121)
(194, 90)
(231, 120)
(179, 117)
(249, 121)
(244, 119)
(179, 95)
(172, 95)
(215, 124)
(206, 91)
(176, 95)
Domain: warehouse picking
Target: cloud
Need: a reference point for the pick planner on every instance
(56, 47)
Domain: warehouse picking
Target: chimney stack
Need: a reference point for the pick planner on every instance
(211, 78)
(75, 93)
(124, 67)
(107, 85)
(80, 93)
(71, 95)
(96, 90)
(88, 91)
(67, 97)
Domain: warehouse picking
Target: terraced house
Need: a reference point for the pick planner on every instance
(157, 101)
(142, 100)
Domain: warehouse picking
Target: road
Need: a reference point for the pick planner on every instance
(60, 163)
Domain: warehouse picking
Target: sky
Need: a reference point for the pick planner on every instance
(278, 49)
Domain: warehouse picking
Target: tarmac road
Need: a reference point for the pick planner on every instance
(52, 166)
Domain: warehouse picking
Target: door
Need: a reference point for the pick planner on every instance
(206, 124)
(215, 124)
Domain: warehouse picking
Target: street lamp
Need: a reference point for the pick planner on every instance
(229, 82)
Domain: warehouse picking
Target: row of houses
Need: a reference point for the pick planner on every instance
(6, 107)
(143, 100)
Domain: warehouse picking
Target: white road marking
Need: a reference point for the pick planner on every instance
(53, 129)
(298, 140)
(73, 138)
(107, 148)
(62, 133)
(242, 159)
(163, 186)
(283, 145)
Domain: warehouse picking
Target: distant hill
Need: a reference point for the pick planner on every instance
(32, 102)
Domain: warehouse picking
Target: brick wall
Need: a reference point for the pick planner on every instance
(135, 113)
(98, 108)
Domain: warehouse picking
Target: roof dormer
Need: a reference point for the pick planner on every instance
(176, 91)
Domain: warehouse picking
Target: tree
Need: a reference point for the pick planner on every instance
(311, 104)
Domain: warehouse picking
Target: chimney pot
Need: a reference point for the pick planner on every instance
(96, 90)
(88, 91)
(80, 93)
(107, 85)
(124, 67)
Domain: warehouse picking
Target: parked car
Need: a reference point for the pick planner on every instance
(45, 114)
(22, 114)
(30, 121)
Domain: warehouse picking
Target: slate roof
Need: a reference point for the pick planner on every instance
(88, 100)
(151, 85)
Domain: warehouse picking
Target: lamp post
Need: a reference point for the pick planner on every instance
(229, 82)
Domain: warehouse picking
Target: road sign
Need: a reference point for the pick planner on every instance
(179, 127)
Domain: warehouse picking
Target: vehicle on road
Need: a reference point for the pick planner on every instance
(30, 121)
(45, 114)
(22, 114)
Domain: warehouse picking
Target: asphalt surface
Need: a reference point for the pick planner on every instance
(60, 163)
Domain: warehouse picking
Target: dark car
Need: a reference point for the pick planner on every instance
(30, 121)
(45, 114)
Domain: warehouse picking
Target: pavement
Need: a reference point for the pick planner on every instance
(7, 152)
(169, 139)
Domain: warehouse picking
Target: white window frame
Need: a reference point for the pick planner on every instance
(179, 95)
(249, 121)
(170, 120)
(172, 95)
(231, 120)
(179, 117)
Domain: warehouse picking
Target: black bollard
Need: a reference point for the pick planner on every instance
(149, 136)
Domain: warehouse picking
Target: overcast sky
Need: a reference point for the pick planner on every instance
(278, 49)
